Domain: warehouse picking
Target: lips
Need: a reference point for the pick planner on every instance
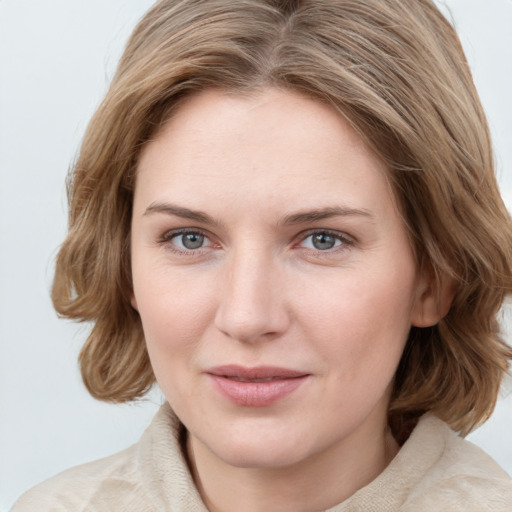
(255, 387)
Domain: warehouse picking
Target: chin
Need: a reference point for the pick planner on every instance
(270, 447)
(258, 456)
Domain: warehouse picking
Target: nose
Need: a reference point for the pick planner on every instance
(252, 306)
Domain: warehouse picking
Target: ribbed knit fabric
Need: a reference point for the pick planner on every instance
(435, 471)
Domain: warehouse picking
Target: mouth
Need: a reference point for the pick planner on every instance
(242, 379)
(259, 373)
(255, 387)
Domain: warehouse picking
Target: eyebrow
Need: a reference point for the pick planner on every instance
(181, 211)
(324, 213)
(292, 219)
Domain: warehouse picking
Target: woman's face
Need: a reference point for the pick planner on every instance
(273, 276)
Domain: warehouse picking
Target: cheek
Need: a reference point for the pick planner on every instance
(359, 320)
(174, 321)
(174, 309)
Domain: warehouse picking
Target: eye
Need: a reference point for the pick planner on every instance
(186, 241)
(325, 241)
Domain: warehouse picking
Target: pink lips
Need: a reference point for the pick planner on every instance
(255, 387)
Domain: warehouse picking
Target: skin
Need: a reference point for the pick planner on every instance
(259, 290)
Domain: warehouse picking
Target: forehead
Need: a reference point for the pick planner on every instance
(272, 143)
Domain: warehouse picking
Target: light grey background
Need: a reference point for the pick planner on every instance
(56, 58)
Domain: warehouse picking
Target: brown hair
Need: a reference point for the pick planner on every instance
(396, 70)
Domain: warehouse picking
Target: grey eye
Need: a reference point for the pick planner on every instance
(189, 241)
(323, 241)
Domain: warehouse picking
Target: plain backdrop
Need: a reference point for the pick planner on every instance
(56, 59)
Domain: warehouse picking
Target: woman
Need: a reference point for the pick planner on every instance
(286, 214)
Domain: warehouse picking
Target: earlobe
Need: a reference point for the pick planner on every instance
(433, 302)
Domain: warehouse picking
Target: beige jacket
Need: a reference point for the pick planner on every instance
(435, 471)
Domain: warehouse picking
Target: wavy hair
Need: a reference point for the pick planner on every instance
(396, 71)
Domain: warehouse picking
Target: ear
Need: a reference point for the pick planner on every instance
(433, 299)
(133, 302)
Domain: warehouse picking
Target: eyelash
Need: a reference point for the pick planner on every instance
(345, 241)
(169, 236)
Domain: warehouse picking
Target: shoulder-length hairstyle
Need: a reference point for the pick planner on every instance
(396, 71)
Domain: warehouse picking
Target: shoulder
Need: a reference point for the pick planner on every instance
(460, 478)
(89, 487)
(151, 475)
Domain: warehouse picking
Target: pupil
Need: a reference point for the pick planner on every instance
(192, 240)
(323, 241)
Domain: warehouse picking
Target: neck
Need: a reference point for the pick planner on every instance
(339, 472)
